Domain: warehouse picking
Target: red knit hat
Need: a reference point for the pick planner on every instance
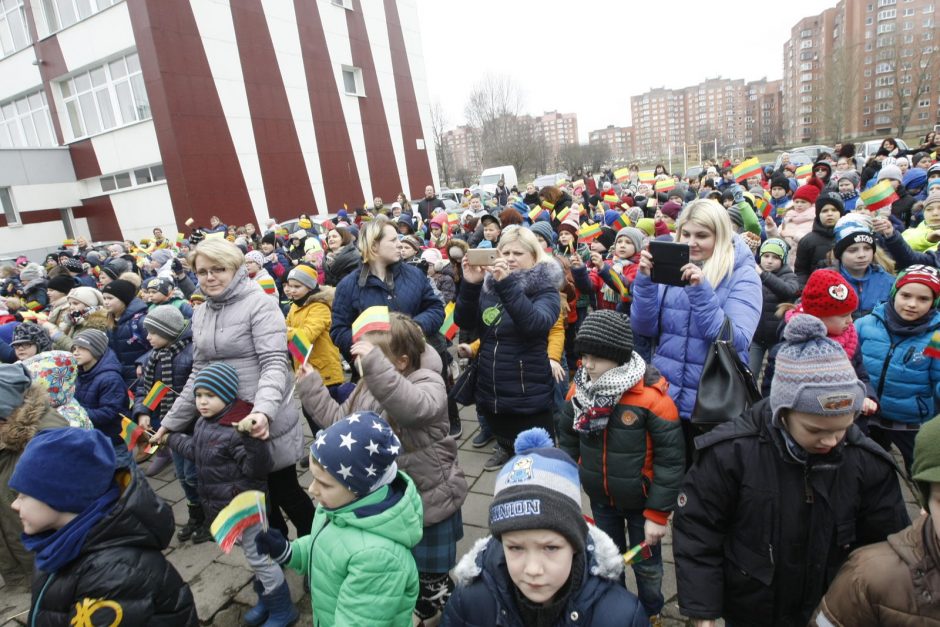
(924, 275)
(827, 293)
(809, 193)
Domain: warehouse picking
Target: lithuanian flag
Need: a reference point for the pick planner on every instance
(588, 232)
(621, 222)
(550, 206)
(878, 196)
(449, 328)
(561, 215)
(804, 171)
(244, 511)
(623, 174)
(619, 284)
(666, 185)
(267, 284)
(155, 395)
(611, 198)
(131, 432)
(746, 169)
(298, 347)
(647, 176)
(535, 213)
(374, 318)
(933, 348)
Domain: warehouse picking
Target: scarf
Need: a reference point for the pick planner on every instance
(163, 357)
(55, 549)
(594, 401)
(848, 339)
(897, 325)
(79, 317)
(848, 195)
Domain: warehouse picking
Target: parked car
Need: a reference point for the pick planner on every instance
(550, 179)
(694, 172)
(864, 150)
(796, 158)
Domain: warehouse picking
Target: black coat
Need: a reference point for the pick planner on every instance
(426, 207)
(122, 565)
(758, 536)
(812, 253)
(345, 260)
(781, 286)
(903, 207)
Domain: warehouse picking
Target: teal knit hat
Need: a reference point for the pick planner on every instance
(775, 246)
(220, 379)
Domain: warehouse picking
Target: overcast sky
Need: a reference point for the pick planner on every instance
(591, 60)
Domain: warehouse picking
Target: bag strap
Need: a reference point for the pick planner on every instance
(727, 332)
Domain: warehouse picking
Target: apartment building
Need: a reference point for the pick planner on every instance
(619, 139)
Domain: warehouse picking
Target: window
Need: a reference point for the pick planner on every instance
(887, 3)
(883, 93)
(928, 35)
(132, 178)
(881, 68)
(806, 33)
(25, 122)
(923, 103)
(105, 97)
(806, 43)
(888, 27)
(9, 211)
(13, 32)
(908, 12)
(352, 81)
(929, 8)
(887, 14)
(908, 25)
(63, 13)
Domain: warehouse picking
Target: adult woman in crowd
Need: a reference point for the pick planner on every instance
(342, 256)
(684, 321)
(244, 328)
(512, 309)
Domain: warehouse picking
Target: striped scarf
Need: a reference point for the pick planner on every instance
(163, 358)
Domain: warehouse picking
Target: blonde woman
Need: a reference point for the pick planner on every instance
(684, 321)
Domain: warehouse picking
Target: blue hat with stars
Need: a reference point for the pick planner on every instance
(359, 451)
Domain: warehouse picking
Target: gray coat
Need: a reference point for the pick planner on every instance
(245, 328)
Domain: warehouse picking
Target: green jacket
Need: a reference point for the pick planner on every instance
(358, 558)
(916, 238)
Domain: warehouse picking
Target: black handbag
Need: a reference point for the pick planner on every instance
(726, 388)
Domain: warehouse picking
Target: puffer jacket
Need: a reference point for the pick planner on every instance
(814, 250)
(781, 286)
(343, 262)
(888, 584)
(33, 416)
(358, 558)
(128, 339)
(101, 391)
(312, 321)
(916, 238)
(758, 535)
(182, 367)
(638, 461)
(687, 320)
(121, 567)
(228, 462)
(416, 408)
(513, 372)
(872, 289)
(484, 593)
(906, 381)
(244, 328)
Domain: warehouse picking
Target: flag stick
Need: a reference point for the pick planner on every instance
(264, 520)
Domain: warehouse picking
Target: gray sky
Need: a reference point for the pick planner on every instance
(590, 61)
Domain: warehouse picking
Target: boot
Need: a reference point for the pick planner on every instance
(160, 461)
(259, 613)
(196, 519)
(281, 611)
(201, 534)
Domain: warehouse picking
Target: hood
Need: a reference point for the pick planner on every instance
(57, 372)
(135, 307)
(394, 513)
(533, 279)
(108, 361)
(241, 284)
(917, 547)
(28, 419)
(324, 295)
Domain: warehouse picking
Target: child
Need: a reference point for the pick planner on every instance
(780, 285)
(491, 229)
(254, 264)
(160, 291)
(848, 189)
(815, 246)
(623, 428)
(98, 532)
(358, 554)
(57, 372)
(892, 339)
(926, 235)
(58, 323)
(542, 564)
(128, 338)
(229, 462)
(309, 317)
(30, 339)
(854, 252)
(798, 220)
(623, 261)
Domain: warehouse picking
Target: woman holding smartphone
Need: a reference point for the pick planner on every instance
(684, 321)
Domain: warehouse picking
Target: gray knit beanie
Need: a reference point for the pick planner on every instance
(544, 229)
(14, 381)
(637, 237)
(606, 334)
(166, 321)
(92, 340)
(31, 272)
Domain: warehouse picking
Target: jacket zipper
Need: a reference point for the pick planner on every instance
(604, 469)
(807, 488)
(42, 592)
(495, 347)
(521, 377)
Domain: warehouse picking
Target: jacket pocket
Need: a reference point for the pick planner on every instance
(746, 568)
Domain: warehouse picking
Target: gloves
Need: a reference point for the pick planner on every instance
(274, 544)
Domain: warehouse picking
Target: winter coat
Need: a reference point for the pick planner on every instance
(427, 206)
(916, 238)
(888, 584)
(103, 394)
(33, 416)
(34, 294)
(312, 321)
(262, 275)
(228, 462)
(513, 371)
(182, 367)
(813, 251)
(406, 289)
(128, 339)
(797, 225)
(183, 305)
(358, 558)
(341, 263)
(444, 282)
(244, 328)
(781, 286)
(758, 536)
(872, 290)
(637, 462)
(484, 593)
(687, 320)
(903, 207)
(121, 564)
(416, 407)
(907, 381)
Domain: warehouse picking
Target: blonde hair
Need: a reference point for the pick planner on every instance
(131, 277)
(405, 338)
(219, 251)
(712, 216)
(370, 234)
(514, 234)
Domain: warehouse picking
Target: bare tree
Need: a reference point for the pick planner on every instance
(445, 157)
(840, 89)
(504, 136)
(907, 69)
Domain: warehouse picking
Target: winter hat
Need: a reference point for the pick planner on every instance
(933, 196)
(93, 258)
(926, 467)
(647, 225)
(781, 182)
(813, 373)
(14, 381)
(111, 271)
(432, 256)
(487, 217)
(31, 272)
(220, 379)
(75, 265)
(161, 256)
(306, 276)
(88, 296)
(93, 340)
(916, 159)
(825, 165)
(672, 209)
(407, 221)
(269, 238)
(571, 225)
(160, 284)
(851, 176)
(166, 321)
(607, 334)
(124, 291)
(924, 275)
(735, 214)
(412, 241)
(611, 216)
(607, 237)
(775, 246)
(84, 456)
(304, 223)
(539, 488)
(359, 451)
(851, 231)
(890, 172)
(809, 193)
(545, 230)
(255, 256)
(829, 198)
(827, 293)
(32, 333)
(62, 283)
(915, 179)
(637, 237)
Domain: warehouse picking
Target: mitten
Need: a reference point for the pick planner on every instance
(274, 544)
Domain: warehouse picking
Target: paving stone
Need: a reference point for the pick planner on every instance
(215, 586)
(484, 484)
(172, 492)
(192, 559)
(14, 605)
(476, 510)
(470, 536)
(472, 461)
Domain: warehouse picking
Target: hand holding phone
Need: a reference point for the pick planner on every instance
(482, 256)
(668, 263)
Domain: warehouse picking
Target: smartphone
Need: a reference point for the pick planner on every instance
(668, 260)
(482, 256)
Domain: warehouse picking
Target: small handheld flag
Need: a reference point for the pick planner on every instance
(621, 222)
(666, 185)
(640, 552)
(746, 169)
(548, 205)
(562, 214)
(647, 176)
(268, 285)
(155, 395)
(619, 284)
(242, 512)
(374, 318)
(933, 348)
(449, 328)
(804, 171)
(623, 174)
(131, 432)
(879, 196)
(588, 232)
(611, 198)
(298, 347)
(535, 213)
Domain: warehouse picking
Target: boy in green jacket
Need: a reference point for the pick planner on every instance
(369, 516)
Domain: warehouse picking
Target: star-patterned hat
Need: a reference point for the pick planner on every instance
(359, 451)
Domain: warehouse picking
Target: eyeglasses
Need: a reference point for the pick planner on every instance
(216, 271)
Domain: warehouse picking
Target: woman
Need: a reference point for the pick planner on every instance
(241, 326)
(512, 308)
(216, 226)
(722, 285)
(342, 257)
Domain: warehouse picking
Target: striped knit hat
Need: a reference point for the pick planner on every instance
(166, 321)
(306, 276)
(539, 488)
(220, 379)
(606, 334)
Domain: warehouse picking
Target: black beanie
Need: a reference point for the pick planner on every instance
(607, 237)
(830, 198)
(124, 291)
(269, 239)
(607, 334)
(781, 182)
(62, 283)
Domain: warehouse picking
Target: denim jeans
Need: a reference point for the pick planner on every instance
(186, 473)
(648, 573)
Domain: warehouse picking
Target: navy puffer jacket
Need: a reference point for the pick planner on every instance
(101, 391)
(514, 375)
(128, 339)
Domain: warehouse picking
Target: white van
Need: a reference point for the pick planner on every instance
(491, 176)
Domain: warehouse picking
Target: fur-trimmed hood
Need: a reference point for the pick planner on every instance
(324, 294)
(28, 419)
(533, 279)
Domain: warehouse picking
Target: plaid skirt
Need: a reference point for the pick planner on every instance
(437, 551)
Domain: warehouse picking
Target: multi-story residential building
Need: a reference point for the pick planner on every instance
(557, 129)
(762, 124)
(619, 140)
(462, 148)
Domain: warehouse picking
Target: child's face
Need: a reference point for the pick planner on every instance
(846, 186)
(208, 404)
(597, 247)
(913, 301)
(252, 267)
(857, 257)
(113, 305)
(490, 231)
(83, 357)
(817, 435)
(78, 306)
(932, 215)
(836, 325)
(624, 248)
(24, 351)
(800, 205)
(778, 192)
(829, 215)
(770, 262)
(36, 515)
(156, 340)
(156, 296)
(295, 289)
(328, 492)
(539, 562)
(565, 237)
(596, 366)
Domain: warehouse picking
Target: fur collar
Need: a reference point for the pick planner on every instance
(323, 295)
(17, 430)
(535, 278)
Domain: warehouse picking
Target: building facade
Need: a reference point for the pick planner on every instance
(619, 139)
(557, 130)
(178, 109)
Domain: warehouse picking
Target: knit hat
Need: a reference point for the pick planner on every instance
(647, 225)
(161, 256)
(851, 176)
(88, 296)
(607, 334)
(637, 237)
(110, 271)
(890, 171)
(926, 467)
(809, 193)
(269, 238)
(850, 230)
(933, 196)
(73, 265)
(32, 333)
(813, 374)
(93, 340)
(62, 283)
(160, 284)
(255, 256)
(672, 209)
(915, 179)
(827, 293)
(923, 275)
(539, 488)
(781, 182)
(607, 237)
(220, 379)
(14, 381)
(734, 213)
(304, 223)
(306, 276)
(830, 198)
(124, 291)
(166, 321)
(545, 230)
(407, 221)
(611, 216)
(432, 255)
(571, 225)
(359, 451)
(775, 246)
(31, 272)
(92, 258)
(67, 469)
